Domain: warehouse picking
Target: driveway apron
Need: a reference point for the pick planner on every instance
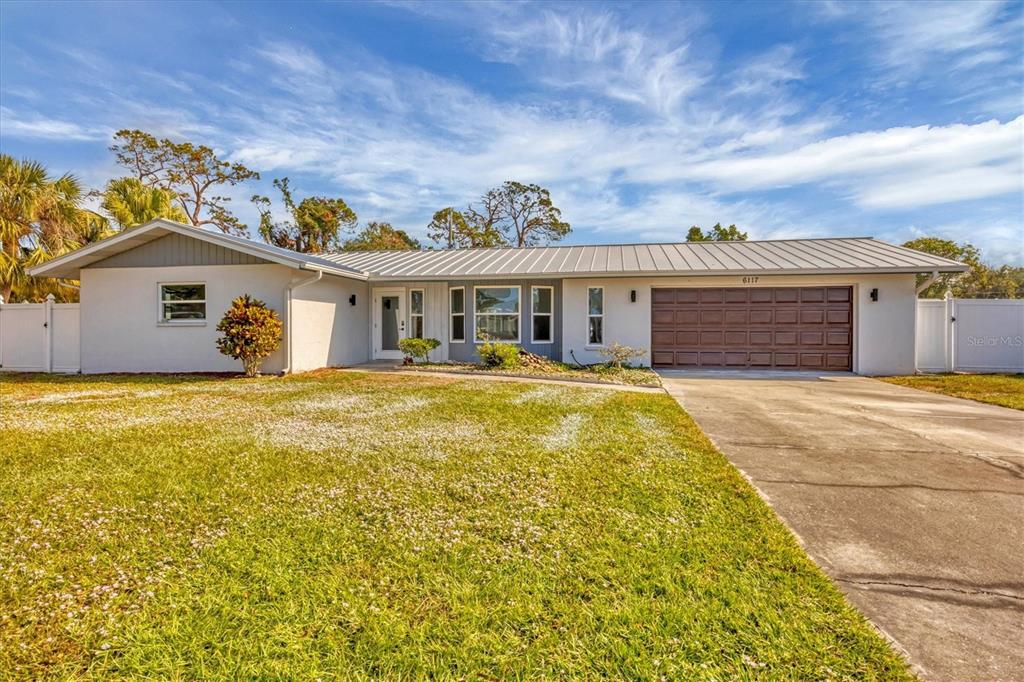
(912, 502)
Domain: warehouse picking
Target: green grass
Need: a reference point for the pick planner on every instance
(999, 389)
(346, 525)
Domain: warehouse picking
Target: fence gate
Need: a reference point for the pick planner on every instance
(970, 335)
(39, 337)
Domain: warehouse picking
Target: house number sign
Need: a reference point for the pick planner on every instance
(751, 280)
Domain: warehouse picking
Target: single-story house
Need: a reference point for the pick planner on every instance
(151, 298)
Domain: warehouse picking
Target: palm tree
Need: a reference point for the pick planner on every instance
(131, 203)
(39, 218)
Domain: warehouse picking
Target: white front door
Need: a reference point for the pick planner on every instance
(388, 323)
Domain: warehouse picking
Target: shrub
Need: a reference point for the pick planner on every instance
(418, 348)
(498, 354)
(618, 355)
(250, 331)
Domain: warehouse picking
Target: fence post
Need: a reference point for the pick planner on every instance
(950, 336)
(48, 331)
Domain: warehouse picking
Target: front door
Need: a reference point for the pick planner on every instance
(388, 323)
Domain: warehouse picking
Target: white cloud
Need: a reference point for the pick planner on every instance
(898, 167)
(33, 126)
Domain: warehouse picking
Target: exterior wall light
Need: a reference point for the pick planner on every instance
(874, 295)
(352, 299)
(632, 295)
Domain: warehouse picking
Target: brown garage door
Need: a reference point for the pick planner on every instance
(777, 328)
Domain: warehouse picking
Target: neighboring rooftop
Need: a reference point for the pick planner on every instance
(790, 256)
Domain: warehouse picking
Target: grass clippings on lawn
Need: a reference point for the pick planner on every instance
(599, 374)
(348, 525)
(1006, 390)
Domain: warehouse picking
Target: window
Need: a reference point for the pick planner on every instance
(496, 313)
(457, 312)
(182, 303)
(595, 316)
(542, 307)
(416, 313)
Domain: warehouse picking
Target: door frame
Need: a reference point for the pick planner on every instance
(376, 334)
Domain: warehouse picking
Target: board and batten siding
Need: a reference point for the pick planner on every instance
(174, 250)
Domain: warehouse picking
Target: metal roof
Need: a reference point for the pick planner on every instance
(790, 256)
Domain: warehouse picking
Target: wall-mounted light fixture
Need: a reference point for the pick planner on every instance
(874, 294)
(632, 295)
(352, 299)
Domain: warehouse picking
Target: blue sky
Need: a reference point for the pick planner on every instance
(812, 119)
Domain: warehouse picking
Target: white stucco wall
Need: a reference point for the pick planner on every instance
(120, 313)
(883, 331)
(327, 329)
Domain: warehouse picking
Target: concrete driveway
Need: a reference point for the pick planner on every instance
(913, 502)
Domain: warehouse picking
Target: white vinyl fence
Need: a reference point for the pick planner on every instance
(39, 337)
(970, 335)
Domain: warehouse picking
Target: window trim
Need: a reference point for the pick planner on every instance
(586, 328)
(451, 327)
(161, 322)
(550, 315)
(519, 315)
(422, 315)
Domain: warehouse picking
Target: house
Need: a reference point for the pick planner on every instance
(151, 298)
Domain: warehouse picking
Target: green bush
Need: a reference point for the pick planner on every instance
(250, 331)
(498, 354)
(418, 348)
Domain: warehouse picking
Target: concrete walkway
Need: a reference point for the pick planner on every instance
(913, 502)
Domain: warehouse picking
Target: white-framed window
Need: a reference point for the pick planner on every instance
(496, 312)
(182, 303)
(457, 314)
(595, 316)
(542, 314)
(416, 313)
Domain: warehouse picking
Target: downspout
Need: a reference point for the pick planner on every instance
(288, 316)
(927, 283)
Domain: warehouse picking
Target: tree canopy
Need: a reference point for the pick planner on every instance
(521, 214)
(381, 236)
(193, 172)
(981, 281)
(716, 234)
(316, 222)
(129, 203)
(40, 217)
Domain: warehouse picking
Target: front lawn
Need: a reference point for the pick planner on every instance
(999, 389)
(340, 525)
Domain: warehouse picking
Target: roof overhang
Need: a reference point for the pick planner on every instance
(69, 265)
(645, 274)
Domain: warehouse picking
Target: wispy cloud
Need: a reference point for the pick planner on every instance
(34, 126)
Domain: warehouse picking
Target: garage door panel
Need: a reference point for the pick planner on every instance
(736, 317)
(687, 317)
(688, 337)
(663, 295)
(736, 338)
(662, 318)
(834, 316)
(785, 327)
(812, 316)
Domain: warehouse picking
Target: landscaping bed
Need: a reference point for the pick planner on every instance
(345, 525)
(602, 374)
(1006, 390)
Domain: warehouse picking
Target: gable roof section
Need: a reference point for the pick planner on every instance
(791, 256)
(70, 264)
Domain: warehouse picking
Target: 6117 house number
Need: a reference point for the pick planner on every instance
(751, 280)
